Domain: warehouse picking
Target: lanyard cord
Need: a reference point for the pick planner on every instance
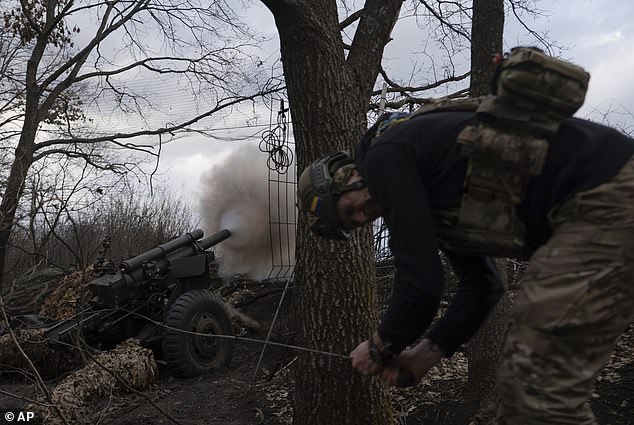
(245, 339)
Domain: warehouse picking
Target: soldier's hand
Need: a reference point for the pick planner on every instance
(362, 360)
(398, 377)
(416, 361)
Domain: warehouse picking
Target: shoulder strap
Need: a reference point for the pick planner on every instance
(446, 105)
(434, 105)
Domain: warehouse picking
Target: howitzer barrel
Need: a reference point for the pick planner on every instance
(161, 262)
(161, 250)
(214, 239)
(202, 244)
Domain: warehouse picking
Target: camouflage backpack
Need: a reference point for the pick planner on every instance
(532, 95)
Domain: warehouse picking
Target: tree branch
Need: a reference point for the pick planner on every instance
(542, 40)
(408, 100)
(370, 38)
(395, 88)
(31, 401)
(171, 129)
(79, 59)
(444, 22)
(351, 19)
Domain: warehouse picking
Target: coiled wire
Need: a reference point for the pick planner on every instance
(275, 143)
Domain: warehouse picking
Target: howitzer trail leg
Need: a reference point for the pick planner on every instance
(576, 299)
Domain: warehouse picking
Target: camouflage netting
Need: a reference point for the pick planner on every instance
(49, 363)
(64, 301)
(61, 303)
(133, 364)
(26, 294)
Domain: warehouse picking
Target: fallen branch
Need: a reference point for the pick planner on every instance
(29, 400)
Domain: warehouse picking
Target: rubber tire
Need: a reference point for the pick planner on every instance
(189, 355)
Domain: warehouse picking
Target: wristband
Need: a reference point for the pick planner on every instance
(379, 357)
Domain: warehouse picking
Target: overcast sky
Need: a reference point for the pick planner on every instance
(599, 35)
(596, 34)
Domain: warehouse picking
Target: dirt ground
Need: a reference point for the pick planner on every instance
(235, 397)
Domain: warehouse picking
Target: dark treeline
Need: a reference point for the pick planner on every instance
(68, 239)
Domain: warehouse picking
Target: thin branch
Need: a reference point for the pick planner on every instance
(542, 40)
(418, 100)
(171, 129)
(145, 63)
(395, 88)
(78, 60)
(444, 22)
(351, 19)
(29, 400)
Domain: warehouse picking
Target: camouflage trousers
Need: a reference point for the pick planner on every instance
(576, 299)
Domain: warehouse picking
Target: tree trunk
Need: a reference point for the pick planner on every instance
(23, 152)
(486, 40)
(15, 186)
(483, 352)
(334, 297)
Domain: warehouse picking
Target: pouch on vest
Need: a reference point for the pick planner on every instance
(534, 94)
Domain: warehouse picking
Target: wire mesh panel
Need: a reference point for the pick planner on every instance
(385, 270)
(384, 265)
(283, 223)
(276, 142)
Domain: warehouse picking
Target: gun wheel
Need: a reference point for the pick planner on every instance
(189, 353)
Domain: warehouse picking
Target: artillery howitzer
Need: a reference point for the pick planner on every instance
(162, 298)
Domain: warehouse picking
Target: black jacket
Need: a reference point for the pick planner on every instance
(416, 166)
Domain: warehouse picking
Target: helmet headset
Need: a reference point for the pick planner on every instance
(320, 186)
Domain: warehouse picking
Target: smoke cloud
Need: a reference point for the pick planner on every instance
(258, 208)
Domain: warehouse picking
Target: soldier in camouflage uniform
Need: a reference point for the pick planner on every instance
(559, 191)
(575, 299)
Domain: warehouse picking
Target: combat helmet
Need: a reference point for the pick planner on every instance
(319, 187)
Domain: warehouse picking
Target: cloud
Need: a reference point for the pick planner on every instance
(609, 91)
(601, 40)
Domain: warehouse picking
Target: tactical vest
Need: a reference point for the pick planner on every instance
(532, 95)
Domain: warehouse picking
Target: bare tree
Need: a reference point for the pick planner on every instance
(329, 85)
(330, 69)
(447, 36)
(68, 235)
(63, 58)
